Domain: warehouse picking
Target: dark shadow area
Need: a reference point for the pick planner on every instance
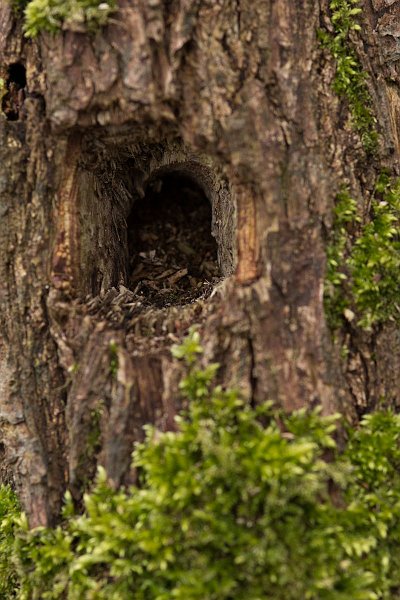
(172, 254)
(13, 100)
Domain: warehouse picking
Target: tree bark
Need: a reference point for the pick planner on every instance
(237, 95)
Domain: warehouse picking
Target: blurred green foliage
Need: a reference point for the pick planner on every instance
(239, 503)
(10, 515)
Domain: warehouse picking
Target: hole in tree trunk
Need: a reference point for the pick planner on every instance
(157, 231)
(172, 253)
(14, 98)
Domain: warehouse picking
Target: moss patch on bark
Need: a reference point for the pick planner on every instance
(54, 15)
(350, 81)
(364, 259)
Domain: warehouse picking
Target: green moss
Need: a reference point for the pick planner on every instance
(9, 520)
(3, 88)
(350, 79)
(18, 5)
(337, 276)
(113, 352)
(234, 505)
(54, 15)
(363, 259)
(375, 260)
(93, 440)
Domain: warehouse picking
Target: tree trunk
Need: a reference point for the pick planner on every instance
(229, 100)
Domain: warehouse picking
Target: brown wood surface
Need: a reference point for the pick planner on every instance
(237, 93)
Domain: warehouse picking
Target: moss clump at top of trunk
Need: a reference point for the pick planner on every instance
(54, 15)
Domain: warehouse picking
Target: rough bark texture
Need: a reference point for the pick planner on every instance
(237, 94)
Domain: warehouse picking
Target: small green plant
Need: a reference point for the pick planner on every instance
(350, 79)
(236, 504)
(113, 351)
(363, 260)
(54, 15)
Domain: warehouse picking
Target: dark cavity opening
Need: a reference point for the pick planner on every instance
(14, 98)
(172, 254)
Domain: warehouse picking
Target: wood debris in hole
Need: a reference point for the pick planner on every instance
(152, 325)
(173, 256)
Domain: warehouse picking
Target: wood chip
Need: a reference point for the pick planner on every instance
(178, 275)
